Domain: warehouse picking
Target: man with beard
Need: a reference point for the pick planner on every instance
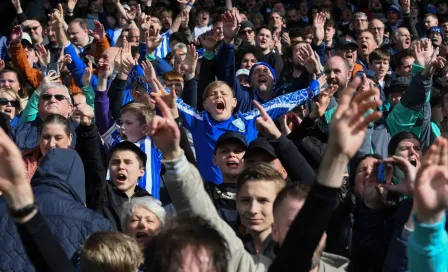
(346, 47)
(366, 44)
(338, 75)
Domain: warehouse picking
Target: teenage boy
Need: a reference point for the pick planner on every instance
(257, 188)
(229, 157)
(133, 124)
(379, 61)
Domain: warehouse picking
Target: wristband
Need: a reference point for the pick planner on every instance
(69, 10)
(25, 211)
(150, 57)
(190, 4)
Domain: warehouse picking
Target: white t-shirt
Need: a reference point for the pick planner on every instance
(198, 31)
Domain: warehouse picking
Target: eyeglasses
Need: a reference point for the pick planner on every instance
(376, 28)
(249, 31)
(58, 97)
(5, 101)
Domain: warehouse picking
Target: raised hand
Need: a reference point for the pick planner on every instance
(406, 185)
(13, 181)
(185, 18)
(98, 33)
(431, 184)
(17, 6)
(105, 70)
(265, 125)
(324, 99)
(230, 25)
(423, 52)
(210, 40)
(348, 127)
(164, 132)
(71, 4)
(286, 38)
(43, 55)
(310, 59)
(66, 59)
(86, 113)
(405, 6)
(16, 35)
(319, 30)
(191, 60)
(87, 75)
(153, 40)
(150, 72)
(51, 77)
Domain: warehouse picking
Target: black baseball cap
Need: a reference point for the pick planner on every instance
(231, 136)
(260, 144)
(127, 145)
(346, 41)
(398, 84)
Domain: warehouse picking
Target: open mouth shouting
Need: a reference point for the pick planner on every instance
(121, 178)
(220, 107)
(232, 164)
(141, 236)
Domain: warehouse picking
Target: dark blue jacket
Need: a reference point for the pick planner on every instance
(59, 190)
(26, 135)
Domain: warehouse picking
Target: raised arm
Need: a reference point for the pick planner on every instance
(186, 188)
(347, 132)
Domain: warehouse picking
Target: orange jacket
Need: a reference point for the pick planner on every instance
(356, 68)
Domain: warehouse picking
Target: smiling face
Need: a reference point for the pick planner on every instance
(9, 104)
(142, 225)
(125, 170)
(53, 136)
(130, 127)
(229, 159)
(219, 102)
(262, 79)
(254, 204)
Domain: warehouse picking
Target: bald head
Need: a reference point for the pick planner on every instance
(108, 56)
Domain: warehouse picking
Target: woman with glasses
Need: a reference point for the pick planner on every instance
(10, 105)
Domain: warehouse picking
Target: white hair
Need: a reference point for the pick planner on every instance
(147, 202)
(45, 87)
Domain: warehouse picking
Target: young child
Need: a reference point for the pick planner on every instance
(379, 61)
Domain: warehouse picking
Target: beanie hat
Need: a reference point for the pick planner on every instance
(437, 30)
(395, 9)
(269, 67)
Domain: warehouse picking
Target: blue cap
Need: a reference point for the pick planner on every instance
(395, 9)
(437, 30)
(269, 67)
(136, 75)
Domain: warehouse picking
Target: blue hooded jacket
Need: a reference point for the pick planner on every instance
(59, 190)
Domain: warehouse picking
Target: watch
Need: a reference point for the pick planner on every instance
(21, 213)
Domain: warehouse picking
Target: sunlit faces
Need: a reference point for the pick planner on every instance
(430, 21)
(404, 69)
(380, 67)
(218, 27)
(402, 38)
(203, 18)
(53, 136)
(175, 85)
(78, 35)
(130, 127)
(78, 99)
(366, 178)
(264, 39)
(435, 38)
(275, 20)
(229, 158)
(10, 80)
(12, 106)
(262, 79)
(284, 215)
(329, 33)
(248, 61)
(360, 23)
(30, 54)
(166, 18)
(125, 170)
(35, 30)
(255, 200)
(366, 44)
(243, 80)
(337, 73)
(54, 101)
(376, 27)
(220, 102)
(411, 150)
(142, 225)
(247, 34)
(350, 53)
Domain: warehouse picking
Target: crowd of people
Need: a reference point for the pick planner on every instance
(223, 135)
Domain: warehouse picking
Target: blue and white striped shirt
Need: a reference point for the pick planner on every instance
(164, 47)
(151, 179)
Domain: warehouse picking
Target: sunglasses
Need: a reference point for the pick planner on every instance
(58, 97)
(14, 103)
(249, 31)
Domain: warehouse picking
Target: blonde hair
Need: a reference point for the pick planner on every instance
(110, 252)
(14, 94)
(143, 112)
(213, 85)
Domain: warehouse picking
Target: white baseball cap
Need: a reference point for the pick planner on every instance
(242, 72)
